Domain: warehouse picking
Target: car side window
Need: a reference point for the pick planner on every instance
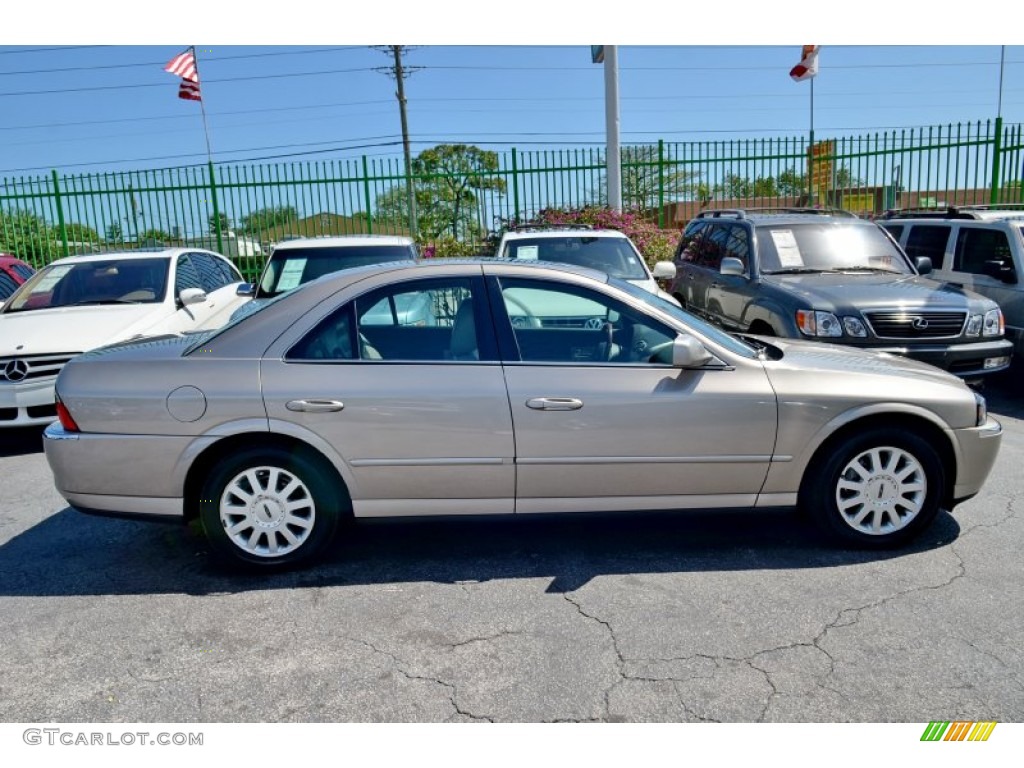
(975, 247)
(333, 338)
(210, 273)
(186, 275)
(896, 230)
(557, 323)
(7, 285)
(928, 240)
(737, 245)
(689, 243)
(433, 320)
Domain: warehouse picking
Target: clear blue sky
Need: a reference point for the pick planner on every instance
(111, 107)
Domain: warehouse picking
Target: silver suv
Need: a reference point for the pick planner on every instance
(979, 247)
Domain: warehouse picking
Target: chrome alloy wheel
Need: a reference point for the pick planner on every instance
(267, 511)
(881, 490)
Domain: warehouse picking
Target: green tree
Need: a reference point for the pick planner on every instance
(155, 234)
(113, 233)
(225, 223)
(28, 236)
(80, 233)
(449, 177)
(645, 179)
(264, 218)
(791, 183)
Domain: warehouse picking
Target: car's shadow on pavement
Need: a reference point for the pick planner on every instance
(73, 554)
(20, 441)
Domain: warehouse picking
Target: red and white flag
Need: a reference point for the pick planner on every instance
(808, 66)
(189, 90)
(184, 66)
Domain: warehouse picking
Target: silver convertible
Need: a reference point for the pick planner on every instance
(533, 388)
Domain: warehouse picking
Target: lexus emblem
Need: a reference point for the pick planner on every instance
(14, 370)
(919, 323)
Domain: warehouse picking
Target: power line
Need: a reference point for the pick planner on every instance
(57, 48)
(161, 63)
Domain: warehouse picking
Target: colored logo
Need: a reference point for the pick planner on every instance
(958, 731)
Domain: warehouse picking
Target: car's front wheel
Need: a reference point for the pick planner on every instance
(270, 507)
(877, 489)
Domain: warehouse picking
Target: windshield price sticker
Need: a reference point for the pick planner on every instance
(527, 252)
(291, 275)
(54, 276)
(788, 250)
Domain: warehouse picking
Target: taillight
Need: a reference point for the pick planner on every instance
(64, 415)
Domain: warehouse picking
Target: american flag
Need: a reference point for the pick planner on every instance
(808, 66)
(184, 66)
(189, 90)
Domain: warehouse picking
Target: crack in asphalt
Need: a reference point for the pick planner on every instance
(399, 667)
(486, 638)
(620, 660)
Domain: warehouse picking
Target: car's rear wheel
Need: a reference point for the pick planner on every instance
(270, 507)
(877, 489)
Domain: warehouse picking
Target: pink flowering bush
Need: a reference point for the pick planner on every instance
(655, 244)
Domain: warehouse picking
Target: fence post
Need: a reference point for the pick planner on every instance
(661, 183)
(60, 215)
(366, 195)
(515, 186)
(216, 209)
(997, 148)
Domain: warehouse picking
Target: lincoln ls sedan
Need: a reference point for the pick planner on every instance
(535, 388)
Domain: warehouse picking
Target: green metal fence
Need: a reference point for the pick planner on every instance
(241, 210)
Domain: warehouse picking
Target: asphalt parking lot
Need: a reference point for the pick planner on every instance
(695, 617)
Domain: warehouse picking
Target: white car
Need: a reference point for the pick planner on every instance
(606, 250)
(83, 302)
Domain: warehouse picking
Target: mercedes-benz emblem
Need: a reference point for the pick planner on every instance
(919, 323)
(14, 370)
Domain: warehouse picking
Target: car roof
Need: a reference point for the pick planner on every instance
(976, 217)
(10, 259)
(341, 241)
(140, 253)
(562, 233)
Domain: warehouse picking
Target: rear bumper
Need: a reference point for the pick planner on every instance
(965, 360)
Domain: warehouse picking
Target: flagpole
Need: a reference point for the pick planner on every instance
(810, 154)
(202, 107)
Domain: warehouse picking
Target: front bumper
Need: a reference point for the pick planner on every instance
(965, 360)
(27, 403)
(977, 448)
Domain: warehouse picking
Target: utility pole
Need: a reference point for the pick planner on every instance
(398, 71)
(611, 107)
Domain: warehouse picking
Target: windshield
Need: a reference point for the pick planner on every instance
(291, 267)
(827, 247)
(110, 281)
(615, 256)
(716, 335)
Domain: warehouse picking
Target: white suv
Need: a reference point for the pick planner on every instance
(978, 247)
(606, 250)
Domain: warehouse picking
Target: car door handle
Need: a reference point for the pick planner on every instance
(554, 404)
(314, 406)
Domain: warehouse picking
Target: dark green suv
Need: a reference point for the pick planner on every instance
(829, 276)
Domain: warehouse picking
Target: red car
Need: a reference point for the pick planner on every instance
(13, 272)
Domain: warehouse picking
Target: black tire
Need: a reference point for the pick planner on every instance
(890, 496)
(291, 515)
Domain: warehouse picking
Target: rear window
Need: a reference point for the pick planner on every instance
(291, 267)
(614, 256)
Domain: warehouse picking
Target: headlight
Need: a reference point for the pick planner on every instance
(993, 323)
(981, 413)
(811, 322)
(974, 325)
(855, 327)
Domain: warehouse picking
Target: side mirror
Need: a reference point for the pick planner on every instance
(190, 296)
(246, 289)
(687, 352)
(732, 266)
(923, 264)
(664, 270)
